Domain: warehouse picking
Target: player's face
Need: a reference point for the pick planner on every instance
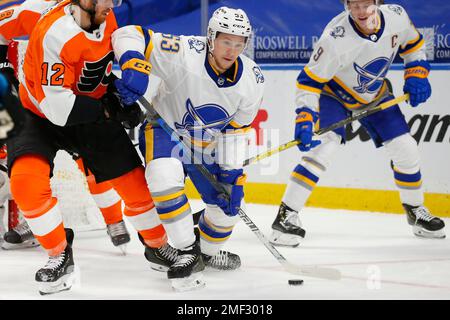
(227, 48)
(103, 8)
(364, 13)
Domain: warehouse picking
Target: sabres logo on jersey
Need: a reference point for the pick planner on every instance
(196, 44)
(204, 120)
(397, 9)
(339, 31)
(258, 74)
(371, 75)
(96, 73)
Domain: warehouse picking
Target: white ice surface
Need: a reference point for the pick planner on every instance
(377, 254)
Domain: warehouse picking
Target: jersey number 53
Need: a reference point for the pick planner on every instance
(170, 43)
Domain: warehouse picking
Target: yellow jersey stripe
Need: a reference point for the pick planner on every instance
(414, 49)
(168, 196)
(308, 88)
(314, 77)
(148, 143)
(350, 91)
(309, 182)
(408, 184)
(173, 214)
(149, 49)
(211, 239)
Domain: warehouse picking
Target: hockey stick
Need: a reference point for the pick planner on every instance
(311, 271)
(368, 110)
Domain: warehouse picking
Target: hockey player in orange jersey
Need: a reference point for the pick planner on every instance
(19, 21)
(71, 105)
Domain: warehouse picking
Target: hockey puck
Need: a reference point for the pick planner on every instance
(295, 282)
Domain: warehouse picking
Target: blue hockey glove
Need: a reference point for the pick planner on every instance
(135, 72)
(234, 181)
(416, 82)
(304, 128)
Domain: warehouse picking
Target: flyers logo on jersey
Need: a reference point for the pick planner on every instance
(96, 73)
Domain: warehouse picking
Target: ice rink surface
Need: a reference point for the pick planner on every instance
(377, 253)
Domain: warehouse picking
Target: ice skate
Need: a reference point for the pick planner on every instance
(19, 237)
(223, 260)
(186, 273)
(59, 273)
(423, 223)
(161, 258)
(286, 229)
(119, 235)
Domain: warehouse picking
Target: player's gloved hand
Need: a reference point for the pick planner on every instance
(11, 111)
(416, 82)
(7, 68)
(233, 181)
(304, 128)
(134, 81)
(130, 116)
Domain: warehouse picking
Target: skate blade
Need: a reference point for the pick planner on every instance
(158, 267)
(123, 249)
(23, 245)
(422, 233)
(62, 284)
(278, 238)
(193, 282)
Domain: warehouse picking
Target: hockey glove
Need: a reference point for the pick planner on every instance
(130, 116)
(11, 111)
(416, 82)
(304, 128)
(7, 68)
(135, 72)
(233, 181)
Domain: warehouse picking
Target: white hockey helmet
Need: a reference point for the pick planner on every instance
(377, 3)
(228, 20)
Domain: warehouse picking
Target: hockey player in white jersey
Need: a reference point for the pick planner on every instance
(347, 70)
(210, 93)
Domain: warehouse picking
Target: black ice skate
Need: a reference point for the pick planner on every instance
(59, 272)
(223, 260)
(424, 224)
(19, 237)
(161, 258)
(186, 273)
(119, 235)
(286, 229)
